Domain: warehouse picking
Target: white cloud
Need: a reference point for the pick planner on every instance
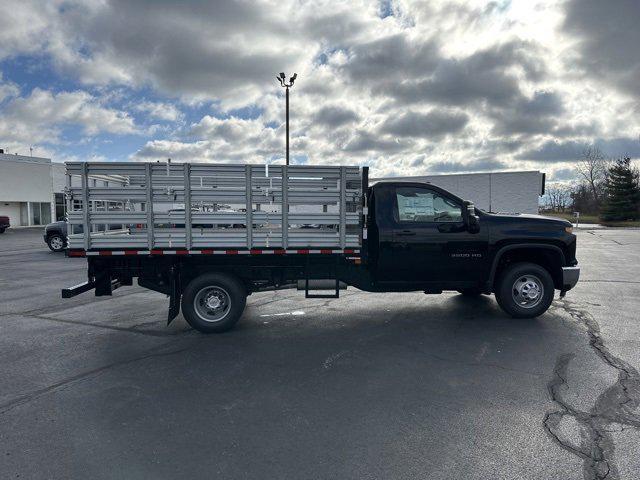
(159, 110)
(23, 26)
(228, 140)
(437, 85)
(39, 117)
(8, 89)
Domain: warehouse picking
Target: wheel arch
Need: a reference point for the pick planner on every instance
(188, 273)
(550, 257)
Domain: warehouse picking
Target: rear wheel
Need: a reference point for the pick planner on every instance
(56, 243)
(213, 302)
(525, 290)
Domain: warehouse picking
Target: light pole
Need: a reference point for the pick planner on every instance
(281, 78)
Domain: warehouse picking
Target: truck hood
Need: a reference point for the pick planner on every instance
(61, 225)
(533, 218)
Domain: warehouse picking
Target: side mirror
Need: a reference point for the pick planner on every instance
(471, 219)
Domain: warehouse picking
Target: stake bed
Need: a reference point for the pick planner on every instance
(209, 235)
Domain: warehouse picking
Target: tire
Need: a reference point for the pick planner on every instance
(56, 243)
(1, 230)
(470, 292)
(213, 302)
(525, 290)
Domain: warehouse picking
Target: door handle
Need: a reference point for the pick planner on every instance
(406, 233)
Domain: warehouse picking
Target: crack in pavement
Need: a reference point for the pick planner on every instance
(607, 238)
(483, 364)
(136, 328)
(331, 359)
(614, 406)
(62, 308)
(275, 297)
(35, 394)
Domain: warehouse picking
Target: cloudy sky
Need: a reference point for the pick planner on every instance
(406, 87)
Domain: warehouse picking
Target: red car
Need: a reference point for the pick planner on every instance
(4, 223)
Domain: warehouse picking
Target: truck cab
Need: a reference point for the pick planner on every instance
(422, 237)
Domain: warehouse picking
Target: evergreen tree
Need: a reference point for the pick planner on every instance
(622, 200)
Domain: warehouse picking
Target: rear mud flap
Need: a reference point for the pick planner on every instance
(174, 299)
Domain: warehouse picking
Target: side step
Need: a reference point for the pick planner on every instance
(321, 284)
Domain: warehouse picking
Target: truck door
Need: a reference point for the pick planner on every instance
(430, 241)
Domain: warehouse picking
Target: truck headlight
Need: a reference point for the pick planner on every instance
(568, 229)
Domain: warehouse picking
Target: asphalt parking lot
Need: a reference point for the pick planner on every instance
(386, 386)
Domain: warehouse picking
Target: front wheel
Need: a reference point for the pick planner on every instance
(56, 243)
(525, 290)
(213, 302)
(1, 230)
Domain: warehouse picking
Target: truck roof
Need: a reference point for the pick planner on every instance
(405, 183)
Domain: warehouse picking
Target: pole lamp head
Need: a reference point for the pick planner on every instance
(292, 79)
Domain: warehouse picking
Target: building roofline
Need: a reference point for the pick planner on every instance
(457, 174)
(8, 157)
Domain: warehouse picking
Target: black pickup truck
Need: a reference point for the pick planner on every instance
(414, 237)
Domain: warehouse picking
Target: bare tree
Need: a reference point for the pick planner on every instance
(558, 197)
(565, 198)
(592, 167)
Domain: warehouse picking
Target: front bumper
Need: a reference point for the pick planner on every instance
(570, 276)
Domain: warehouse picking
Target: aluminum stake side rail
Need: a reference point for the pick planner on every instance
(208, 235)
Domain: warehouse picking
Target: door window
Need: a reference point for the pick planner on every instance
(45, 213)
(419, 205)
(35, 213)
(61, 207)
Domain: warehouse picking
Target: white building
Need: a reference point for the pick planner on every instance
(31, 190)
(500, 192)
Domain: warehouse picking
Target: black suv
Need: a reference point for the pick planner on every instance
(4, 223)
(55, 236)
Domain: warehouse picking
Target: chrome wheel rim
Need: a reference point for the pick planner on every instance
(56, 243)
(527, 291)
(212, 304)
